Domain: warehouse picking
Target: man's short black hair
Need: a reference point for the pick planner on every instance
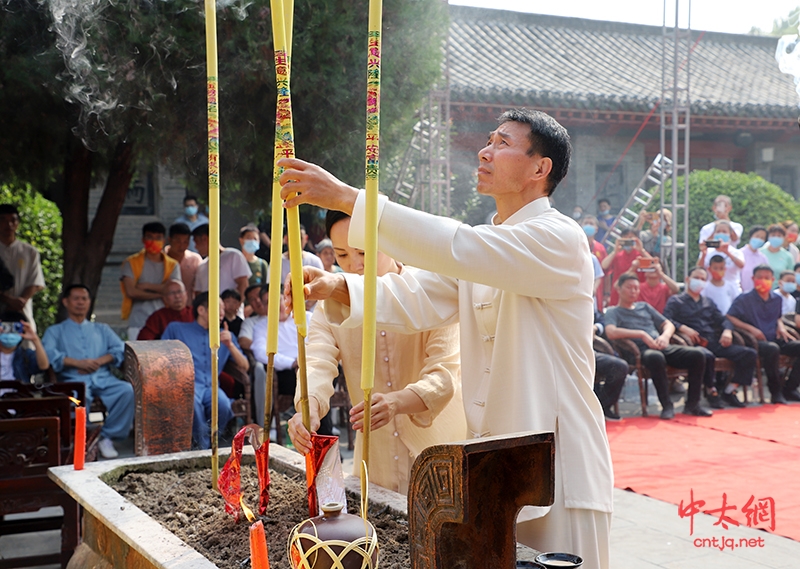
(230, 293)
(200, 231)
(251, 288)
(696, 268)
(776, 229)
(200, 300)
(786, 274)
(9, 209)
(189, 197)
(332, 218)
(247, 229)
(628, 231)
(69, 288)
(14, 316)
(548, 139)
(179, 229)
(601, 200)
(265, 290)
(153, 227)
(755, 229)
(625, 277)
(763, 268)
(716, 259)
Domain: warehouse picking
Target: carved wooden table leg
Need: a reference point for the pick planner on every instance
(464, 497)
(162, 374)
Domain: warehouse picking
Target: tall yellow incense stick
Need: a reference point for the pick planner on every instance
(371, 245)
(284, 148)
(286, 9)
(213, 227)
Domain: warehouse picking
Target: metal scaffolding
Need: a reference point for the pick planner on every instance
(675, 129)
(423, 178)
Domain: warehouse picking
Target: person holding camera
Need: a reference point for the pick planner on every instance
(16, 361)
(626, 250)
(721, 244)
(657, 286)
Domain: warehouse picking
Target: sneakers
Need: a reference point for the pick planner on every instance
(732, 400)
(106, 448)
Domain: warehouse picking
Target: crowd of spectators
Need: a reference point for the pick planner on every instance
(744, 283)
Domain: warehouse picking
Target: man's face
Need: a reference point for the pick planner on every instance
(603, 207)
(201, 243)
(153, 242)
(699, 275)
(284, 313)
(505, 167)
(717, 270)
(179, 243)
(175, 298)
(9, 223)
(788, 278)
(190, 203)
(629, 291)
(78, 302)
(722, 208)
(254, 300)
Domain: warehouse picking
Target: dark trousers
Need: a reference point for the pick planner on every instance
(770, 353)
(742, 357)
(691, 359)
(612, 371)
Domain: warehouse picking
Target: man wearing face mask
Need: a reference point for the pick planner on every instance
(722, 210)
(577, 213)
(759, 313)
(787, 285)
(145, 278)
(778, 258)
(16, 361)
(604, 218)
(191, 217)
(753, 256)
(697, 317)
(248, 240)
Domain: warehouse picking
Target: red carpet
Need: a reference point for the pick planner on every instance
(744, 453)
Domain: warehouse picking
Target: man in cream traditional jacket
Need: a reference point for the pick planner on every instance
(521, 289)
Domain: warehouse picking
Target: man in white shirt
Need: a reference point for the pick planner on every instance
(234, 272)
(722, 210)
(521, 290)
(719, 291)
(253, 297)
(22, 260)
(786, 286)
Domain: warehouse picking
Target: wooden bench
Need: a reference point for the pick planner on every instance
(28, 447)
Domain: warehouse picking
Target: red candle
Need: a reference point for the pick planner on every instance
(258, 547)
(80, 437)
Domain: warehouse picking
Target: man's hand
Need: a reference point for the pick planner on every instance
(15, 303)
(690, 333)
(319, 285)
(759, 335)
(384, 408)
(783, 333)
(301, 438)
(225, 336)
(648, 341)
(662, 342)
(28, 333)
(726, 338)
(86, 366)
(315, 186)
(723, 248)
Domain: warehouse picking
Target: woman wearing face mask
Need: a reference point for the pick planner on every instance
(248, 240)
(734, 259)
(590, 227)
(791, 237)
(753, 256)
(16, 361)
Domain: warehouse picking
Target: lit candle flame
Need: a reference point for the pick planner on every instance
(77, 402)
(247, 511)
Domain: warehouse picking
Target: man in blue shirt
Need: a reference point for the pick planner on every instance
(80, 350)
(698, 317)
(759, 312)
(191, 217)
(195, 336)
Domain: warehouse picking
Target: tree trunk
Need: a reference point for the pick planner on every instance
(86, 250)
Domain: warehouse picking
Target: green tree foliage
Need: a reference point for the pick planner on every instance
(40, 225)
(780, 26)
(755, 202)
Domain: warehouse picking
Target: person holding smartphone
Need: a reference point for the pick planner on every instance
(16, 361)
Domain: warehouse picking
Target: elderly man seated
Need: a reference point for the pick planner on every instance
(175, 310)
(80, 350)
(651, 332)
(759, 313)
(195, 336)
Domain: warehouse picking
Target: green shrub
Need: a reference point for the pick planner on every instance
(755, 202)
(40, 225)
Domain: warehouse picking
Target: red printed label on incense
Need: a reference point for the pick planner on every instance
(230, 478)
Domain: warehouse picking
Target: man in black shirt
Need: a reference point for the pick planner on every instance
(699, 318)
(651, 332)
